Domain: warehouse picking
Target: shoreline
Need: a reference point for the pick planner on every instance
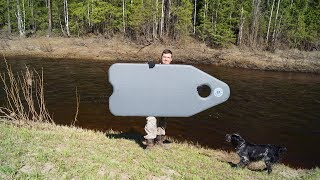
(52, 151)
(189, 52)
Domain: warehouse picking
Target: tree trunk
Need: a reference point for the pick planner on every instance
(254, 28)
(194, 16)
(216, 19)
(61, 26)
(88, 14)
(19, 19)
(155, 21)
(168, 14)
(66, 16)
(9, 20)
(162, 19)
(24, 17)
(278, 29)
(241, 27)
(270, 17)
(33, 23)
(275, 22)
(49, 18)
(91, 24)
(205, 9)
(123, 13)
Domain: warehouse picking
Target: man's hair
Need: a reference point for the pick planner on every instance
(166, 51)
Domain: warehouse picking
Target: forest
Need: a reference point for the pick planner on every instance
(261, 24)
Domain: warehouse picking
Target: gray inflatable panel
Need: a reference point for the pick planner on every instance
(165, 90)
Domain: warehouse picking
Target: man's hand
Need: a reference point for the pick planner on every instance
(151, 64)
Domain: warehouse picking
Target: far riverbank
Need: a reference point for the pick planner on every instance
(189, 52)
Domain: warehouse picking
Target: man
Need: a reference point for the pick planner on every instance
(156, 129)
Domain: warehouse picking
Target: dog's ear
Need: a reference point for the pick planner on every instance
(237, 135)
(282, 149)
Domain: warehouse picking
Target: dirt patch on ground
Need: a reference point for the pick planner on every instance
(188, 51)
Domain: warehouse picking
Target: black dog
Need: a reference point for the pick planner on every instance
(251, 152)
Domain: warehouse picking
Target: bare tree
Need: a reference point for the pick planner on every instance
(33, 23)
(255, 18)
(24, 16)
(123, 14)
(216, 18)
(88, 13)
(205, 9)
(194, 16)
(270, 17)
(241, 27)
(168, 15)
(9, 20)
(49, 18)
(61, 26)
(155, 20)
(19, 19)
(278, 29)
(275, 22)
(162, 18)
(66, 16)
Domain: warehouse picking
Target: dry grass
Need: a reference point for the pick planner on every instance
(46, 47)
(186, 50)
(24, 96)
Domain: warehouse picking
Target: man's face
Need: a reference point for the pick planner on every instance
(166, 58)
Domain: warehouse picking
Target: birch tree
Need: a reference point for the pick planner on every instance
(205, 9)
(255, 19)
(33, 24)
(49, 18)
(216, 17)
(123, 14)
(167, 17)
(162, 18)
(194, 16)
(9, 20)
(66, 16)
(24, 17)
(270, 17)
(155, 20)
(240, 27)
(88, 13)
(275, 22)
(61, 26)
(19, 19)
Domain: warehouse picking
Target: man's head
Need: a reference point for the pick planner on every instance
(166, 57)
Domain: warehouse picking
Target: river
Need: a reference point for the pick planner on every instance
(264, 107)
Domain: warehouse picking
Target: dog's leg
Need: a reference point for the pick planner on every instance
(244, 161)
(269, 168)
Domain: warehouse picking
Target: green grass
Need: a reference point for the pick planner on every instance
(46, 151)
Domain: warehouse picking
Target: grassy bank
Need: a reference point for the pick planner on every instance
(186, 51)
(60, 152)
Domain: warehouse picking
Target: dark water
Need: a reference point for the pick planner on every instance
(264, 107)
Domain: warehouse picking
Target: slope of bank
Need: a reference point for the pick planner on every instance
(187, 51)
(48, 151)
